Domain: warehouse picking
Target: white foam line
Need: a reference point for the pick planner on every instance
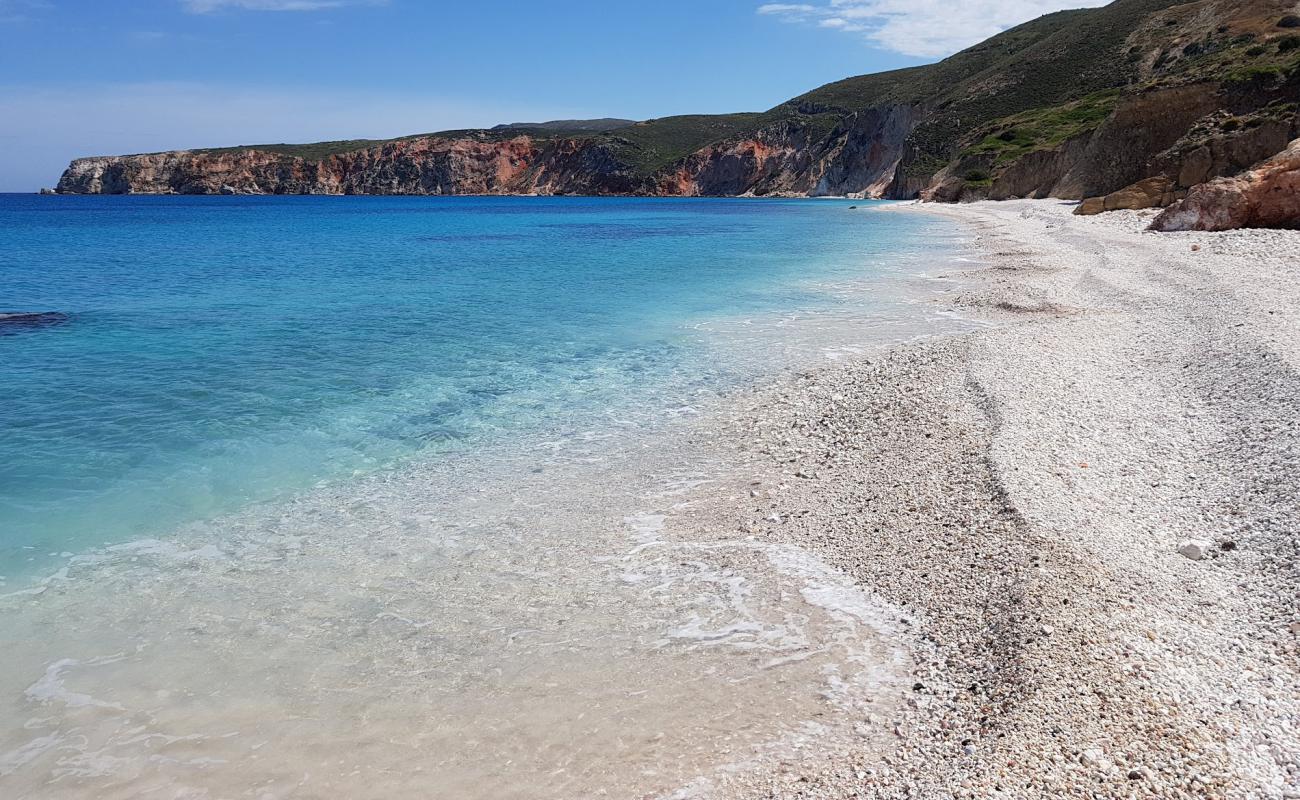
(51, 689)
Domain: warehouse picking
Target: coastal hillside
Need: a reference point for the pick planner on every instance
(1075, 104)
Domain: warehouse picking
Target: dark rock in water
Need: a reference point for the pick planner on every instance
(15, 321)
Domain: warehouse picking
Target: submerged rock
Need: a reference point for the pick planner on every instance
(14, 321)
(1266, 196)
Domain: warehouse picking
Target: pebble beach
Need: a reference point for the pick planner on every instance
(1084, 514)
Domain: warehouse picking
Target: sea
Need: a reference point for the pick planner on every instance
(320, 497)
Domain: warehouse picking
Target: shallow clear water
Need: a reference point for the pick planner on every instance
(226, 350)
(376, 497)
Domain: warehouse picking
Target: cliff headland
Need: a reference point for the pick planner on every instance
(1073, 105)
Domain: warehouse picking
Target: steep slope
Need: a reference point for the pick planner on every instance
(1187, 63)
(1072, 104)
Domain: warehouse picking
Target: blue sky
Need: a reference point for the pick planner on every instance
(88, 77)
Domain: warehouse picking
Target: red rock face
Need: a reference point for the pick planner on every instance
(422, 166)
(1266, 196)
(733, 168)
(784, 159)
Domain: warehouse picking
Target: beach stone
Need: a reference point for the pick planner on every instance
(1195, 549)
(1154, 192)
(1091, 206)
(1094, 758)
(1146, 193)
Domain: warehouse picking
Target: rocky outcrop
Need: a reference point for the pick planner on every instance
(1117, 153)
(784, 158)
(865, 152)
(774, 162)
(1267, 196)
(419, 166)
(1156, 192)
(1224, 144)
(1121, 151)
(857, 158)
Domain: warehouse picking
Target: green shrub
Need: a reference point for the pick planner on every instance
(1288, 43)
(1255, 75)
(1010, 138)
(1256, 51)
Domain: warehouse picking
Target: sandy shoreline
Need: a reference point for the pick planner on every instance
(1023, 492)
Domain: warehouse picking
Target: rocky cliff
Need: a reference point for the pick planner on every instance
(1074, 104)
(1265, 196)
(786, 157)
(422, 165)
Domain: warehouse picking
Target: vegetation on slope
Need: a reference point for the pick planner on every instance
(930, 83)
(1027, 89)
(650, 146)
(1172, 48)
(653, 145)
(1011, 138)
(309, 152)
(601, 125)
(1084, 55)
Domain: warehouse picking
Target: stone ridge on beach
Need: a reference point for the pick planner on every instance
(1023, 493)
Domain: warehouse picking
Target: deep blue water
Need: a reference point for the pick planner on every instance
(223, 351)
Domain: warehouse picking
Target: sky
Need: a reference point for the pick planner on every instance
(99, 77)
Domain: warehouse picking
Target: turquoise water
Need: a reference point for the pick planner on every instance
(378, 497)
(225, 351)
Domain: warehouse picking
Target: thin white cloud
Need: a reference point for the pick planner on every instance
(924, 28)
(20, 10)
(208, 6)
